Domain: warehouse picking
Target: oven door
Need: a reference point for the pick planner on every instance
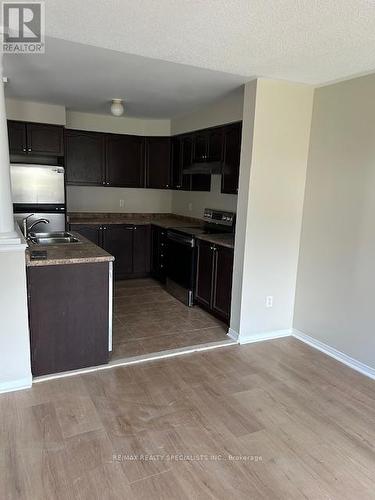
(181, 266)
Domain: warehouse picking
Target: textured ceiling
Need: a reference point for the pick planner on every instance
(86, 78)
(312, 41)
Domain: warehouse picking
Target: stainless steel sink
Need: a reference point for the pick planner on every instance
(53, 238)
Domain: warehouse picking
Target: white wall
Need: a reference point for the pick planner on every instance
(274, 210)
(35, 112)
(15, 368)
(336, 272)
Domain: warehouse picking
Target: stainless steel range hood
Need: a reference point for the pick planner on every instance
(204, 167)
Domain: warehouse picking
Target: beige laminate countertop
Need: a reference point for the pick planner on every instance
(224, 240)
(71, 253)
(162, 220)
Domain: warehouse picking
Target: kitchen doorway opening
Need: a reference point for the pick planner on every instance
(148, 320)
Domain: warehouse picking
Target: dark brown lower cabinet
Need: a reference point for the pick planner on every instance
(158, 253)
(213, 288)
(69, 316)
(130, 246)
(91, 232)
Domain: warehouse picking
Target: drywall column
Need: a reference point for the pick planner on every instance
(242, 205)
(15, 367)
(6, 208)
(270, 209)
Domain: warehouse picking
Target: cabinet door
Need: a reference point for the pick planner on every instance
(200, 151)
(141, 250)
(125, 160)
(222, 283)
(17, 137)
(176, 163)
(118, 241)
(68, 310)
(186, 160)
(231, 158)
(205, 262)
(45, 139)
(215, 144)
(91, 232)
(84, 158)
(200, 182)
(158, 162)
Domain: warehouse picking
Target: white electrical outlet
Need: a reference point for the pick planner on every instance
(269, 301)
(122, 203)
(190, 207)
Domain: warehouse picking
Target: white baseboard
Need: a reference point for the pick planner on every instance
(16, 385)
(259, 337)
(334, 353)
(233, 334)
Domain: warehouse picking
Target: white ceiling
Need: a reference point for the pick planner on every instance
(86, 78)
(309, 41)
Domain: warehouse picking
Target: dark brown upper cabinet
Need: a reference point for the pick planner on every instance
(35, 138)
(231, 158)
(45, 139)
(215, 144)
(125, 160)
(158, 162)
(17, 137)
(208, 145)
(85, 158)
(182, 149)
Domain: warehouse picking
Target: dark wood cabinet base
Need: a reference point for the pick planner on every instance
(69, 316)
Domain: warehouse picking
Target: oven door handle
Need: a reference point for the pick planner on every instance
(180, 239)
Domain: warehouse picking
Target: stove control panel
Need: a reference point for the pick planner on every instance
(219, 217)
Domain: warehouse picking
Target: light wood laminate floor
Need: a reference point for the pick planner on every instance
(300, 425)
(147, 319)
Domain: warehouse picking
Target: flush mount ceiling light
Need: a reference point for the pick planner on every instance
(117, 107)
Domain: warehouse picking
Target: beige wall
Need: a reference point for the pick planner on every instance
(336, 271)
(271, 220)
(107, 199)
(193, 204)
(117, 125)
(229, 109)
(35, 112)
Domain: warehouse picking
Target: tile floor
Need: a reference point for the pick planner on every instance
(147, 319)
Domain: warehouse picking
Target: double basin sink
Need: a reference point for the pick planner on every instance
(53, 238)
